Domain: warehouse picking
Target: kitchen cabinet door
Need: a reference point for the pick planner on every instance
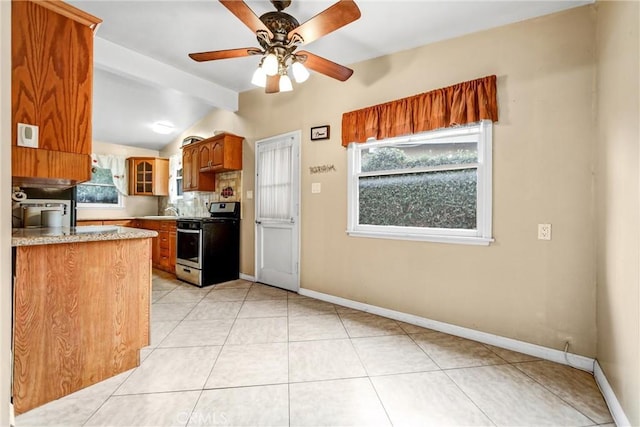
(217, 155)
(187, 169)
(205, 156)
(51, 87)
(148, 176)
(220, 153)
(172, 250)
(193, 179)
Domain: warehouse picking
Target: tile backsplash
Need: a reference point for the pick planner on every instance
(195, 203)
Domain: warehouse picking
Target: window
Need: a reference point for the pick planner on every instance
(100, 191)
(433, 186)
(176, 189)
(179, 183)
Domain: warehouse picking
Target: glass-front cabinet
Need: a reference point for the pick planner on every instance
(148, 176)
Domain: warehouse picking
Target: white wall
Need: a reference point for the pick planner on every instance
(5, 210)
(133, 205)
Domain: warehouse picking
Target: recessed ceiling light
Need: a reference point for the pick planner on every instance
(163, 127)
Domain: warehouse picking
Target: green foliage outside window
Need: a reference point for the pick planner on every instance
(435, 199)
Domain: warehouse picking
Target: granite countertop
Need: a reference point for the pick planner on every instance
(87, 233)
(130, 218)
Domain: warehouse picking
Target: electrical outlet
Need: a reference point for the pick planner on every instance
(544, 231)
(316, 187)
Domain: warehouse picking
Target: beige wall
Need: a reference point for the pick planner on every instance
(5, 210)
(541, 292)
(545, 151)
(133, 205)
(618, 201)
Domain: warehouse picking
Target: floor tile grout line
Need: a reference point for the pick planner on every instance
(223, 344)
(195, 405)
(370, 378)
(384, 408)
(470, 399)
(558, 396)
(425, 352)
(288, 369)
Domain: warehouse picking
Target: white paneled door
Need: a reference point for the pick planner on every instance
(278, 211)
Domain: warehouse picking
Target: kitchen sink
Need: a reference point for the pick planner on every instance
(160, 217)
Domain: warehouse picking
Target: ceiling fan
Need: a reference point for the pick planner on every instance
(279, 35)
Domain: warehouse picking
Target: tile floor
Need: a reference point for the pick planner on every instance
(246, 354)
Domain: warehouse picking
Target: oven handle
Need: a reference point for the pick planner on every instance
(180, 230)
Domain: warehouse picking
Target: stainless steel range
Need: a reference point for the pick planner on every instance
(208, 249)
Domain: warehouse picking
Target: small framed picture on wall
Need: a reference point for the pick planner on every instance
(320, 132)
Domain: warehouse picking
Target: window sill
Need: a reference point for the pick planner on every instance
(461, 240)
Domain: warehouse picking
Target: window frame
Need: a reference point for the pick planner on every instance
(120, 204)
(482, 235)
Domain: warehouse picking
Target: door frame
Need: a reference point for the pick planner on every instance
(297, 140)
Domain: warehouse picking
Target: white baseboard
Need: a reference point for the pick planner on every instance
(247, 277)
(615, 408)
(558, 356)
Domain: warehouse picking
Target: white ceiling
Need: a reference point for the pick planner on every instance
(143, 73)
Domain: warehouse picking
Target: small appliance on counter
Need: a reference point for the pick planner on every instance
(208, 249)
(45, 208)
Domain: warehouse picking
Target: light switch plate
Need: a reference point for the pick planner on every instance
(27, 135)
(316, 187)
(249, 194)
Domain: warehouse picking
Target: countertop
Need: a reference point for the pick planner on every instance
(87, 233)
(131, 218)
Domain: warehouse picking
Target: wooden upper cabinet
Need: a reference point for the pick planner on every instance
(220, 153)
(148, 176)
(51, 87)
(187, 169)
(192, 177)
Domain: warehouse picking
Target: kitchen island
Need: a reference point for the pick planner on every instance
(81, 308)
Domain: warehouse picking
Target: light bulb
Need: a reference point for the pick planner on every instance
(270, 65)
(300, 72)
(285, 84)
(259, 77)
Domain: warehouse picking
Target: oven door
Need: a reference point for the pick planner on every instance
(189, 247)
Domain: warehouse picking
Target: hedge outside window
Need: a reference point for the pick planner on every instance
(100, 191)
(433, 186)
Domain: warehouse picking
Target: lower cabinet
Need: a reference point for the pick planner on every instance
(120, 222)
(163, 247)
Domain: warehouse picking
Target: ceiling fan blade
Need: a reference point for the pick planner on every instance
(224, 54)
(244, 13)
(326, 67)
(327, 21)
(273, 84)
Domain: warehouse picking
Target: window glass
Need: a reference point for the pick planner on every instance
(179, 182)
(432, 186)
(418, 156)
(445, 199)
(99, 191)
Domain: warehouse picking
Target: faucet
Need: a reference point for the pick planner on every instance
(174, 210)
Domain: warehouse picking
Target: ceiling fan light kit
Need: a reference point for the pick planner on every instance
(259, 77)
(279, 35)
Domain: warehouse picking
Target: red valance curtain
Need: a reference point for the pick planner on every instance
(463, 103)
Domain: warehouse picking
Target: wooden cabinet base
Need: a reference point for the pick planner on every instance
(78, 321)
